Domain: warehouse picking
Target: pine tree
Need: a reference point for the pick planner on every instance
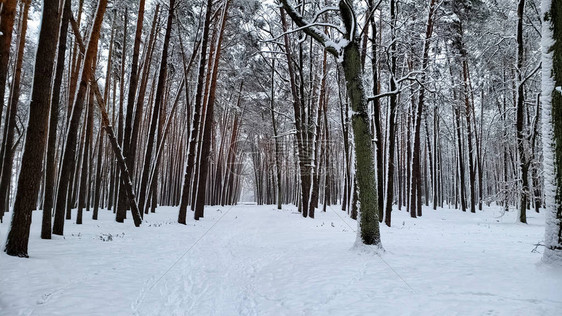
(37, 128)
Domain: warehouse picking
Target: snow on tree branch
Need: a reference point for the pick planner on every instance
(311, 30)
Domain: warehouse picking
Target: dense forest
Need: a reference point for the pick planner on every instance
(375, 106)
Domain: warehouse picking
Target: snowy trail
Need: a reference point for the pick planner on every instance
(257, 265)
(256, 260)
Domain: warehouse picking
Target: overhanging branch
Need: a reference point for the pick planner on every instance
(309, 29)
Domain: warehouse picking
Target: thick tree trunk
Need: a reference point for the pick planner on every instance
(51, 166)
(552, 128)
(37, 130)
(366, 181)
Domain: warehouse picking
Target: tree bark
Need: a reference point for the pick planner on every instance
(7, 17)
(70, 148)
(127, 184)
(552, 128)
(391, 123)
(156, 110)
(37, 129)
(196, 116)
(8, 158)
(520, 116)
(209, 119)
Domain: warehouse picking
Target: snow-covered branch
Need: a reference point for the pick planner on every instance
(310, 29)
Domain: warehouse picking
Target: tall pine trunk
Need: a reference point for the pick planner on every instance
(37, 129)
(7, 17)
(520, 117)
(144, 188)
(8, 158)
(69, 155)
(196, 116)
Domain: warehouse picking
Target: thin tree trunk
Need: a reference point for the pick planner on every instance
(416, 164)
(85, 166)
(133, 83)
(7, 17)
(391, 123)
(209, 118)
(9, 149)
(156, 110)
(70, 148)
(521, 138)
(127, 184)
(196, 116)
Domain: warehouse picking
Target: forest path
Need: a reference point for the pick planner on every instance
(261, 261)
(257, 260)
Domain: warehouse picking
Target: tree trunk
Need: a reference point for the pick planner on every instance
(196, 116)
(127, 184)
(37, 129)
(275, 137)
(8, 158)
(391, 119)
(144, 188)
(552, 128)
(469, 109)
(51, 166)
(520, 108)
(85, 166)
(379, 136)
(298, 108)
(209, 120)
(70, 148)
(7, 17)
(133, 83)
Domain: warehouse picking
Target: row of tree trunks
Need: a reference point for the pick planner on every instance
(144, 189)
(209, 117)
(196, 116)
(69, 156)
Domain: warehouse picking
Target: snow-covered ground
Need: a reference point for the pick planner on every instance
(256, 260)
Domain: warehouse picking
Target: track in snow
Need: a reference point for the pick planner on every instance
(256, 260)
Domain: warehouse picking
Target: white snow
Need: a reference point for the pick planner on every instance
(256, 260)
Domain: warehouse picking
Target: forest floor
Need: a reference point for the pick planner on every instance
(256, 260)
